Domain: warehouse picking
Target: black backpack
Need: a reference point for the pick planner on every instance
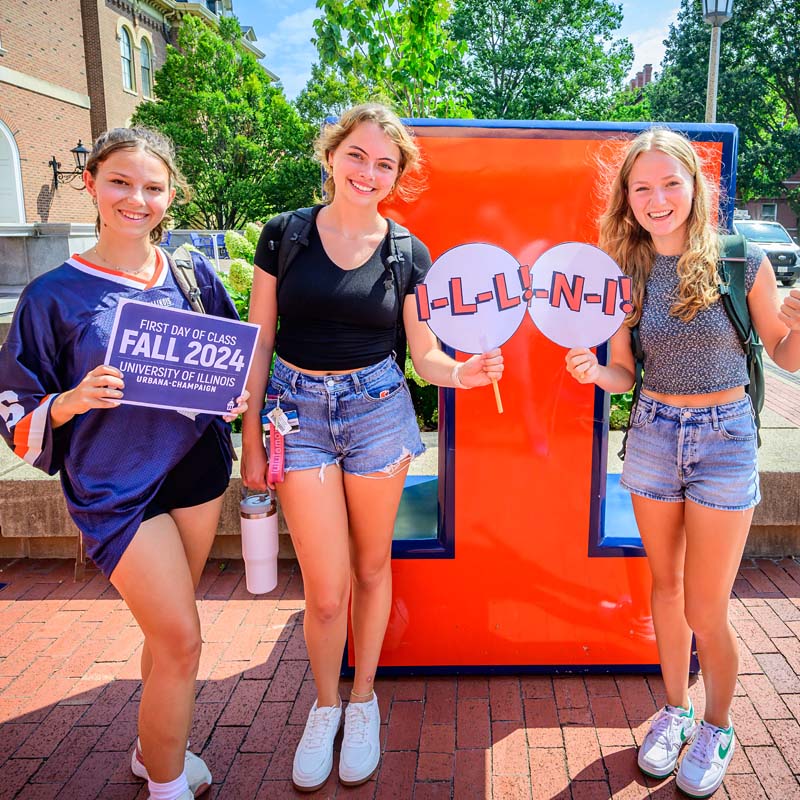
(731, 267)
(295, 227)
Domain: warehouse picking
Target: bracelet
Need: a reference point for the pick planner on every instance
(456, 376)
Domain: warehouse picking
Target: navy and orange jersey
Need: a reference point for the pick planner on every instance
(112, 461)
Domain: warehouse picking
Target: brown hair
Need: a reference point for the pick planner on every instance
(333, 134)
(150, 141)
(631, 246)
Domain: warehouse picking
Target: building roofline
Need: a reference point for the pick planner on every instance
(173, 9)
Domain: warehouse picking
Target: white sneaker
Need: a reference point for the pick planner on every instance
(313, 759)
(704, 765)
(198, 774)
(669, 731)
(361, 743)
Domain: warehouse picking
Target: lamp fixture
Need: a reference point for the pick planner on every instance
(717, 12)
(80, 153)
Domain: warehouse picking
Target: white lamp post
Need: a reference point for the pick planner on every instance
(716, 13)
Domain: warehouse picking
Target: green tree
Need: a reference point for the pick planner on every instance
(759, 86)
(629, 105)
(396, 48)
(540, 59)
(239, 142)
(329, 93)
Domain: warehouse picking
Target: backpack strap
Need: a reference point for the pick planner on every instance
(181, 264)
(295, 230)
(638, 372)
(732, 268)
(400, 263)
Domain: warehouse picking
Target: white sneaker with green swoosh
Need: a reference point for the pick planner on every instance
(704, 765)
(669, 731)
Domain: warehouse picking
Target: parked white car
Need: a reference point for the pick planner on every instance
(774, 240)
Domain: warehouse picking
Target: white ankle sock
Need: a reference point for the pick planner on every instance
(171, 790)
(139, 744)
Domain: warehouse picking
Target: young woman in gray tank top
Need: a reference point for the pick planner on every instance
(691, 457)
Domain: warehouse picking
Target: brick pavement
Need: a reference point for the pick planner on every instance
(69, 690)
(782, 393)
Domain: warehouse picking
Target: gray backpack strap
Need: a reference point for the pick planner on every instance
(182, 266)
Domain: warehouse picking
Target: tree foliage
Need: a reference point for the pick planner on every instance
(240, 144)
(540, 59)
(396, 48)
(329, 93)
(759, 86)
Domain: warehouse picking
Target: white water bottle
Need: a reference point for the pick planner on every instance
(259, 522)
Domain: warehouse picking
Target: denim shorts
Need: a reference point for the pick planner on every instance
(706, 455)
(364, 421)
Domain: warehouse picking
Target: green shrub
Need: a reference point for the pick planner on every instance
(425, 397)
(239, 247)
(619, 411)
(252, 230)
(240, 275)
(238, 283)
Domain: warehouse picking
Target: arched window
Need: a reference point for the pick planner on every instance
(147, 69)
(11, 206)
(126, 54)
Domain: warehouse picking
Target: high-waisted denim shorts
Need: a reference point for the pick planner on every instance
(364, 421)
(706, 455)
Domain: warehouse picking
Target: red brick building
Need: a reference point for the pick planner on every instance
(44, 109)
(777, 208)
(70, 69)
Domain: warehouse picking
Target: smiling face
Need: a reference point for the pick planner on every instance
(660, 194)
(133, 192)
(365, 165)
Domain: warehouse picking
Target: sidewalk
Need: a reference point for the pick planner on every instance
(69, 689)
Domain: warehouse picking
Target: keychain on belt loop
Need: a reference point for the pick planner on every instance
(279, 425)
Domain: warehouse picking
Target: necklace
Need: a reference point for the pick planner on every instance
(147, 265)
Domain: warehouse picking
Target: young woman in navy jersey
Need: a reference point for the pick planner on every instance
(691, 456)
(143, 485)
(346, 465)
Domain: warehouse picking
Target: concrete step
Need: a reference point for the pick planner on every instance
(34, 521)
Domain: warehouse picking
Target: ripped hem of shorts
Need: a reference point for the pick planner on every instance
(320, 468)
(392, 468)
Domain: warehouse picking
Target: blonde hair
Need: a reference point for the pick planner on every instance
(631, 246)
(333, 134)
(151, 142)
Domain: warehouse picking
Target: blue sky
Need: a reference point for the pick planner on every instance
(284, 30)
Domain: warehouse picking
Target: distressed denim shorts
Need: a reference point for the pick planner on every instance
(706, 455)
(364, 421)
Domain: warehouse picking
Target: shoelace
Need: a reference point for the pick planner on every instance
(357, 723)
(317, 731)
(662, 726)
(702, 749)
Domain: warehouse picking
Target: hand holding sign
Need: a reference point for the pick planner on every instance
(471, 299)
(171, 358)
(579, 300)
(475, 295)
(579, 296)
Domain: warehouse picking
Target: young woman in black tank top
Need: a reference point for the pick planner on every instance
(346, 465)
